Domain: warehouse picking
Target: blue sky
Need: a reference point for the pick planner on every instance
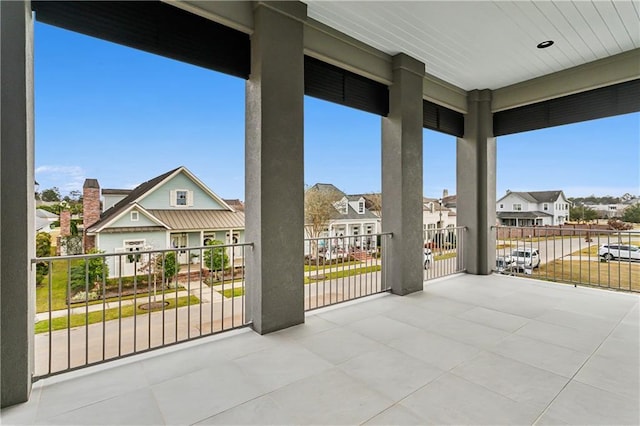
(123, 116)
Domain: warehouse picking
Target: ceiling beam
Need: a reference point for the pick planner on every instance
(593, 75)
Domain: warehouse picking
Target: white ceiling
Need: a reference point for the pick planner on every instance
(488, 44)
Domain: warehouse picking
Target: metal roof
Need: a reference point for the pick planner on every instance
(185, 220)
(522, 215)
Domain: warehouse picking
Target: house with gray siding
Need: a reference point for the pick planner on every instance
(533, 208)
(173, 210)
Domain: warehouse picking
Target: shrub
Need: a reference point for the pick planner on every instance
(216, 258)
(43, 249)
(88, 272)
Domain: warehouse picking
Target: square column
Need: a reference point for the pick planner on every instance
(275, 167)
(17, 195)
(476, 181)
(402, 176)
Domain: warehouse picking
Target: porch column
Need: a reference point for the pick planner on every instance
(402, 176)
(274, 165)
(17, 195)
(476, 181)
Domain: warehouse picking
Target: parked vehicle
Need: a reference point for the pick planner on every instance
(505, 265)
(527, 258)
(619, 251)
(428, 258)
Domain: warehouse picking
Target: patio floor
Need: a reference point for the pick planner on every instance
(468, 350)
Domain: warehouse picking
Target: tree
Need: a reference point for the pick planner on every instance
(582, 213)
(167, 264)
(374, 201)
(619, 225)
(216, 258)
(51, 194)
(632, 214)
(89, 272)
(43, 249)
(319, 209)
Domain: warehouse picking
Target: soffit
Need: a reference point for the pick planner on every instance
(488, 44)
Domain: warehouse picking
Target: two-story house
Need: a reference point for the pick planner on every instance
(533, 208)
(173, 210)
(349, 217)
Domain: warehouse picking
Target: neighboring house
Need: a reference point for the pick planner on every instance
(614, 210)
(534, 208)
(44, 220)
(173, 210)
(436, 216)
(351, 217)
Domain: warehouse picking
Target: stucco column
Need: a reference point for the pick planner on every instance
(17, 214)
(476, 182)
(402, 176)
(275, 167)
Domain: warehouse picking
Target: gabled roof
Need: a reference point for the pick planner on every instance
(146, 188)
(326, 187)
(102, 224)
(536, 196)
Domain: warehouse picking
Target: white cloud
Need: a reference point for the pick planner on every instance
(66, 178)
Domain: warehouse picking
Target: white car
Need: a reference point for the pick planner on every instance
(526, 258)
(428, 258)
(508, 266)
(619, 251)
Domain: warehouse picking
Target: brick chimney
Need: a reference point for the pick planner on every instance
(90, 210)
(445, 193)
(65, 223)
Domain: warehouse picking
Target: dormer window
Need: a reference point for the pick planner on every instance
(361, 207)
(181, 198)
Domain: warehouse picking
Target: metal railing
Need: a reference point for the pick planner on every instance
(444, 252)
(338, 269)
(99, 307)
(579, 255)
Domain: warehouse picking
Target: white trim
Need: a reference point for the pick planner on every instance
(123, 213)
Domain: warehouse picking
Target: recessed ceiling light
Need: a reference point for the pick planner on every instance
(545, 44)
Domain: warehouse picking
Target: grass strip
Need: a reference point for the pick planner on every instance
(79, 320)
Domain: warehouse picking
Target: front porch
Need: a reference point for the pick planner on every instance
(467, 350)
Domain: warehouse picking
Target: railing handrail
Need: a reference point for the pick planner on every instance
(150, 251)
(576, 228)
(349, 236)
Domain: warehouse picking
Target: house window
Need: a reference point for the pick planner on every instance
(502, 206)
(181, 198)
(517, 207)
(132, 247)
(361, 207)
(134, 216)
(545, 207)
(236, 238)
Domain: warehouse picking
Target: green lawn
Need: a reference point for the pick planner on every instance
(78, 320)
(233, 292)
(321, 267)
(59, 273)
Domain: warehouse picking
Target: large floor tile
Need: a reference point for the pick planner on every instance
(495, 319)
(283, 364)
(613, 375)
(390, 372)
(397, 415)
(469, 332)
(84, 389)
(382, 329)
(339, 345)
(452, 400)
(436, 350)
(556, 359)
(204, 393)
(259, 411)
(512, 379)
(330, 398)
(134, 408)
(571, 338)
(580, 404)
